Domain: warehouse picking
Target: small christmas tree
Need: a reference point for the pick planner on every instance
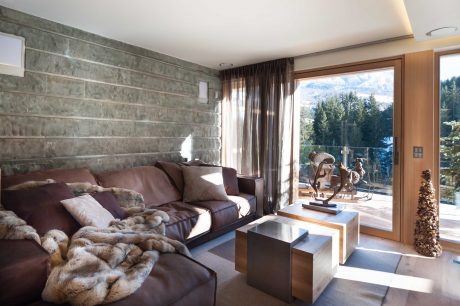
(427, 224)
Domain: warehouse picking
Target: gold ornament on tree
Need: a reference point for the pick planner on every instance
(427, 224)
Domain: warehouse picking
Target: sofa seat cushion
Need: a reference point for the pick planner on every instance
(23, 271)
(222, 212)
(246, 204)
(186, 221)
(226, 212)
(175, 280)
(150, 181)
(79, 175)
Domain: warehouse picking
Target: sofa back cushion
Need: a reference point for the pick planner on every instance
(230, 181)
(40, 207)
(79, 175)
(174, 171)
(150, 181)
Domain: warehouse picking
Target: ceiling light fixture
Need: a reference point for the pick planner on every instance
(225, 65)
(442, 31)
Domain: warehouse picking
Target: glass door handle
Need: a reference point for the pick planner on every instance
(396, 151)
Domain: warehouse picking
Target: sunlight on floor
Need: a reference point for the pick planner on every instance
(391, 280)
(396, 253)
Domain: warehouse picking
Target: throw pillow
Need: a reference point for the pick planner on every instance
(87, 211)
(203, 184)
(196, 162)
(40, 207)
(229, 174)
(109, 202)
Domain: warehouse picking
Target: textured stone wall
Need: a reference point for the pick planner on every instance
(94, 102)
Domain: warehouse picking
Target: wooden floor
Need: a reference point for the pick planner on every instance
(416, 272)
(408, 286)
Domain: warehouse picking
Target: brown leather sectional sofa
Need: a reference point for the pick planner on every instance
(175, 279)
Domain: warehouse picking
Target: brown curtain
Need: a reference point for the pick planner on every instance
(257, 111)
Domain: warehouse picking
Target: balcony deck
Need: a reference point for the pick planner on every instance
(377, 212)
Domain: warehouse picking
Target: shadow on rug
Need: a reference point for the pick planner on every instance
(338, 292)
(225, 250)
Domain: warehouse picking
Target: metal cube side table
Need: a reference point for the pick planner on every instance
(269, 246)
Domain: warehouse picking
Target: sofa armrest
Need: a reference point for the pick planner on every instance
(255, 186)
(23, 271)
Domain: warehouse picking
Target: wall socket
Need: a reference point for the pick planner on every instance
(417, 152)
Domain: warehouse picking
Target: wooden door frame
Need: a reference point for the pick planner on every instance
(397, 63)
(446, 243)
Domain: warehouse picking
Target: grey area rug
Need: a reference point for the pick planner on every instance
(225, 250)
(347, 292)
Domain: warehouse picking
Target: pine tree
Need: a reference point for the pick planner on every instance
(320, 125)
(372, 127)
(306, 126)
(335, 113)
(427, 224)
(450, 156)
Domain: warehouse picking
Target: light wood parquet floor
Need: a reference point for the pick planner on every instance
(442, 272)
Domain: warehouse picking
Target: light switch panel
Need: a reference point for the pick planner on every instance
(203, 92)
(417, 152)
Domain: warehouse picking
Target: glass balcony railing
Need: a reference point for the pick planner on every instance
(377, 162)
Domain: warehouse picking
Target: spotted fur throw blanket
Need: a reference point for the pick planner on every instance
(126, 198)
(99, 265)
(102, 266)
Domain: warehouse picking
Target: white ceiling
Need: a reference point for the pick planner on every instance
(427, 15)
(209, 32)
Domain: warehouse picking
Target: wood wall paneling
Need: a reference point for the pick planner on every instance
(419, 112)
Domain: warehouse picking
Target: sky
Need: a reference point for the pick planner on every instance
(450, 66)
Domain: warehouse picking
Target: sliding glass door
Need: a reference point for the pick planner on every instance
(449, 145)
(353, 114)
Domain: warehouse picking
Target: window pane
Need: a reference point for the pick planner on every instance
(11, 55)
(450, 147)
(350, 116)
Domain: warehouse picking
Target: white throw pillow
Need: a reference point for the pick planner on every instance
(87, 211)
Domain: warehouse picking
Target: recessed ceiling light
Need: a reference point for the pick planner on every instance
(442, 31)
(225, 65)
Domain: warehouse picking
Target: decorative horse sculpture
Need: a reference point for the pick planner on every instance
(347, 178)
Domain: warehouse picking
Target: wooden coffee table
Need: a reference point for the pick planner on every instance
(314, 260)
(346, 222)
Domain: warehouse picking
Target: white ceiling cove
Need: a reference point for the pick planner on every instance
(209, 32)
(427, 15)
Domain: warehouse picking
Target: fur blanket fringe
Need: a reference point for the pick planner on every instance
(14, 228)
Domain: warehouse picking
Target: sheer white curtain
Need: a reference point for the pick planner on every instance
(257, 112)
(232, 124)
